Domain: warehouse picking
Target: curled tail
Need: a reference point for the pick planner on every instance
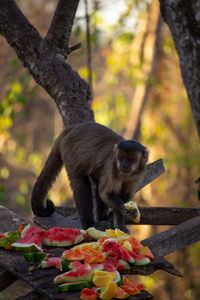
(44, 182)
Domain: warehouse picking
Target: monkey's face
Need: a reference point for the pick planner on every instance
(128, 161)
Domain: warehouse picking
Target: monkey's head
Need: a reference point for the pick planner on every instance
(131, 157)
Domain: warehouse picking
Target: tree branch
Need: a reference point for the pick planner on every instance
(70, 92)
(20, 35)
(182, 17)
(61, 26)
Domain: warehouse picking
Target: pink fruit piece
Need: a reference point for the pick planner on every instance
(56, 262)
(60, 237)
(115, 249)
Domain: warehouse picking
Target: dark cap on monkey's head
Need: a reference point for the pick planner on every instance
(130, 145)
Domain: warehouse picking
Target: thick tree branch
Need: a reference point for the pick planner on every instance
(20, 35)
(182, 17)
(70, 92)
(60, 29)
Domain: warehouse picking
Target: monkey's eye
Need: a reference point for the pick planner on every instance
(120, 157)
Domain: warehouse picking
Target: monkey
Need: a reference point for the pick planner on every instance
(95, 155)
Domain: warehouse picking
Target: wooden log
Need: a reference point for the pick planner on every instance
(166, 215)
(10, 220)
(159, 263)
(175, 238)
(153, 171)
(6, 279)
(32, 296)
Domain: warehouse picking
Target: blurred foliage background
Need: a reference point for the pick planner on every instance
(137, 91)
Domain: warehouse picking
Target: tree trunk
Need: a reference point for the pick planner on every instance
(183, 19)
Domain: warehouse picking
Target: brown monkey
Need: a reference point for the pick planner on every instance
(93, 153)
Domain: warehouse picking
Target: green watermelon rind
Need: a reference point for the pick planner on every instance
(5, 241)
(141, 261)
(74, 286)
(23, 247)
(35, 256)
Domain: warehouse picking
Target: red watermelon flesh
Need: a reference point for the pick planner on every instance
(110, 264)
(31, 240)
(75, 264)
(31, 230)
(82, 273)
(115, 249)
(63, 236)
(56, 262)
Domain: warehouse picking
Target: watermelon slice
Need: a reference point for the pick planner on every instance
(74, 264)
(56, 262)
(31, 230)
(62, 237)
(139, 260)
(31, 240)
(123, 265)
(82, 273)
(113, 248)
(74, 286)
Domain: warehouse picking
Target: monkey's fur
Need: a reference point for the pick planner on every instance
(93, 153)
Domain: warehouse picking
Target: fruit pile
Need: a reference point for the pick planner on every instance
(93, 267)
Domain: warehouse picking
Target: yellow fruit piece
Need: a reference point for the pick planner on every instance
(130, 205)
(111, 233)
(93, 245)
(120, 233)
(127, 245)
(104, 273)
(95, 234)
(102, 280)
(109, 291)
(133, 205)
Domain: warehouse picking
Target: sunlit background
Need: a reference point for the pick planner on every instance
(137, 91)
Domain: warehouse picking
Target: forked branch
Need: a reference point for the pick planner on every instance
(61, 26)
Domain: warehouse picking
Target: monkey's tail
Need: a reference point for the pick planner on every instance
(44, 182)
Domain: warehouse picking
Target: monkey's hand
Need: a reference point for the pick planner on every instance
(132, 211)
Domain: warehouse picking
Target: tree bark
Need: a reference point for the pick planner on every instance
(45, 58)
(183, 19)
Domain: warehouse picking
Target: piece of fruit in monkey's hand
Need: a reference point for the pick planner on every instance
(132, 211)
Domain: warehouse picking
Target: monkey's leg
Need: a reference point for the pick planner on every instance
(119, 221)
(83, 198)
(100, 209)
